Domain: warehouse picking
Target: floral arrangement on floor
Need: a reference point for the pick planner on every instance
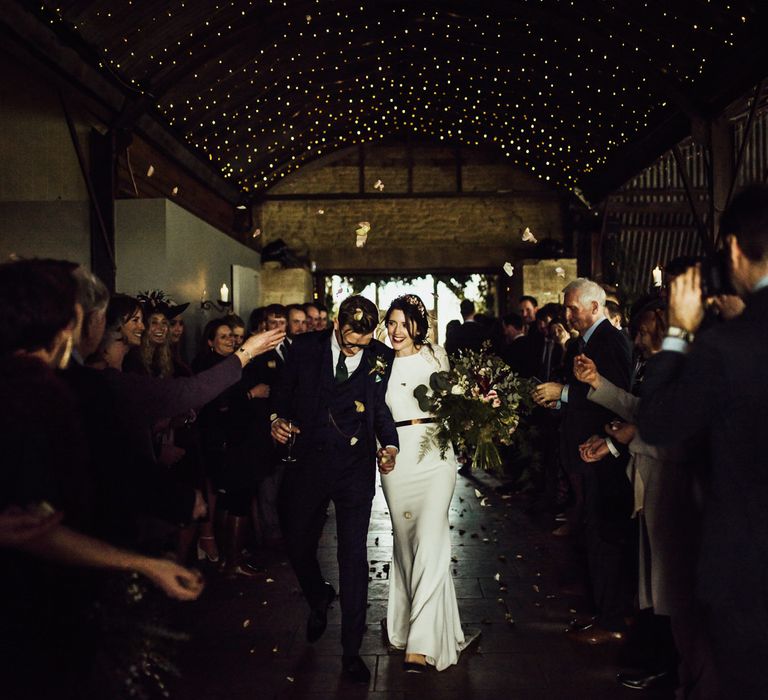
(477, 405)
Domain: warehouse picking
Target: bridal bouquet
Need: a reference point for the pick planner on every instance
(477, 405)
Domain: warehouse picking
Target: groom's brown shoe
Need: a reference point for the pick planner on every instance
(318, 616)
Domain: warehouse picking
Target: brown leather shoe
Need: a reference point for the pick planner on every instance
(596, 635)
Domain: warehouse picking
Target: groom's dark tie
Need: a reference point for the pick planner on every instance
(342, 373)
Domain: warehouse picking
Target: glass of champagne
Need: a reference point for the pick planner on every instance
(291, 440)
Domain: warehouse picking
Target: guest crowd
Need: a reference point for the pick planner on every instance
(658, 474)
(124, 463)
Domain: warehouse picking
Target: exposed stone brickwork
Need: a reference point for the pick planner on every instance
(281, 286)
(460, 232)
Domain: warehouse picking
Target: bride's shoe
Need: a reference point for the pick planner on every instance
(415, 663)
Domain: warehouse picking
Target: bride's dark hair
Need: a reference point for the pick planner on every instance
(416, 317)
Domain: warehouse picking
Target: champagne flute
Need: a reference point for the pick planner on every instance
(291, 440)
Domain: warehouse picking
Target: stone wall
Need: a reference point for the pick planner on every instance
(285, 286)
(434, 227)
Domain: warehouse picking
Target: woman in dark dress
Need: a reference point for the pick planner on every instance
(225, 426)
(59, 635)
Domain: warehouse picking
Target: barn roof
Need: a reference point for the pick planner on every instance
(583, 93)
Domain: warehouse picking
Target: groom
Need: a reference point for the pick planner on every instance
(332, 391)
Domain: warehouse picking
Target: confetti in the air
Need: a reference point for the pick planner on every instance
(560, 272)
(362, 233)
(246, 623)
(378, 185)
(509, 268)
(528, 237)
(150, 171)
(353, 441)
(478, 494)
(175, 191)
(257, 233)
(321, 211)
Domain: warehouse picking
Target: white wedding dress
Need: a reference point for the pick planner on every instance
(422, 612)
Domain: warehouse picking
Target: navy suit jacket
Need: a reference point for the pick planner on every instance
(469, 336)
(305, 387)
(609, 349)
(720, 388)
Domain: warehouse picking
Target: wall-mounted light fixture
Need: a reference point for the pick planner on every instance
(222, 305)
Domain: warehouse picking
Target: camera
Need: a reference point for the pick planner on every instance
(715, 275)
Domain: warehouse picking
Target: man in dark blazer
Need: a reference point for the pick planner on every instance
(603, 485)
(265, 371)
(330, 395)
(470, 335)
(718, 386)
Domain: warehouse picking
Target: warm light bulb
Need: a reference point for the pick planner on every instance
(224, 294)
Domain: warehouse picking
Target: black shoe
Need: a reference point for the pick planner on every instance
(577, 625)
(646, 681)
(318, 616)
(355, 670)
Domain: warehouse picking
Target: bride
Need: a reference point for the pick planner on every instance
(422, 613)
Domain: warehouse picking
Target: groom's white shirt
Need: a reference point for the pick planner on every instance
(352, 362)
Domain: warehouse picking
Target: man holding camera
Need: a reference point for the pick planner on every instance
(719, 385)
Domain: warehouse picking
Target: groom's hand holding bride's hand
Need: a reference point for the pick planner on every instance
(385, 458)
(281, 430)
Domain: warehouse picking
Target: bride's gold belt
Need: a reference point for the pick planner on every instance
(414, 421)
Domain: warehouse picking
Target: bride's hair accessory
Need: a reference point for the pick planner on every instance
(413, 300)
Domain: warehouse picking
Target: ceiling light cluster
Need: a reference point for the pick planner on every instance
(261, 87)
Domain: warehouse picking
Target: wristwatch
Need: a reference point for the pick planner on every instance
(676, 332)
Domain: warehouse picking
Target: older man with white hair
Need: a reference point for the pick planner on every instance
(602, 491)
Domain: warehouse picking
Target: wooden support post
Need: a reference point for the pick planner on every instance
(700, 225)
(102, 176)
(745, 139)
(720, 172)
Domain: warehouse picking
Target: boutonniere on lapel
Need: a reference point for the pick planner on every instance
(378, 367)
(272, 364)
